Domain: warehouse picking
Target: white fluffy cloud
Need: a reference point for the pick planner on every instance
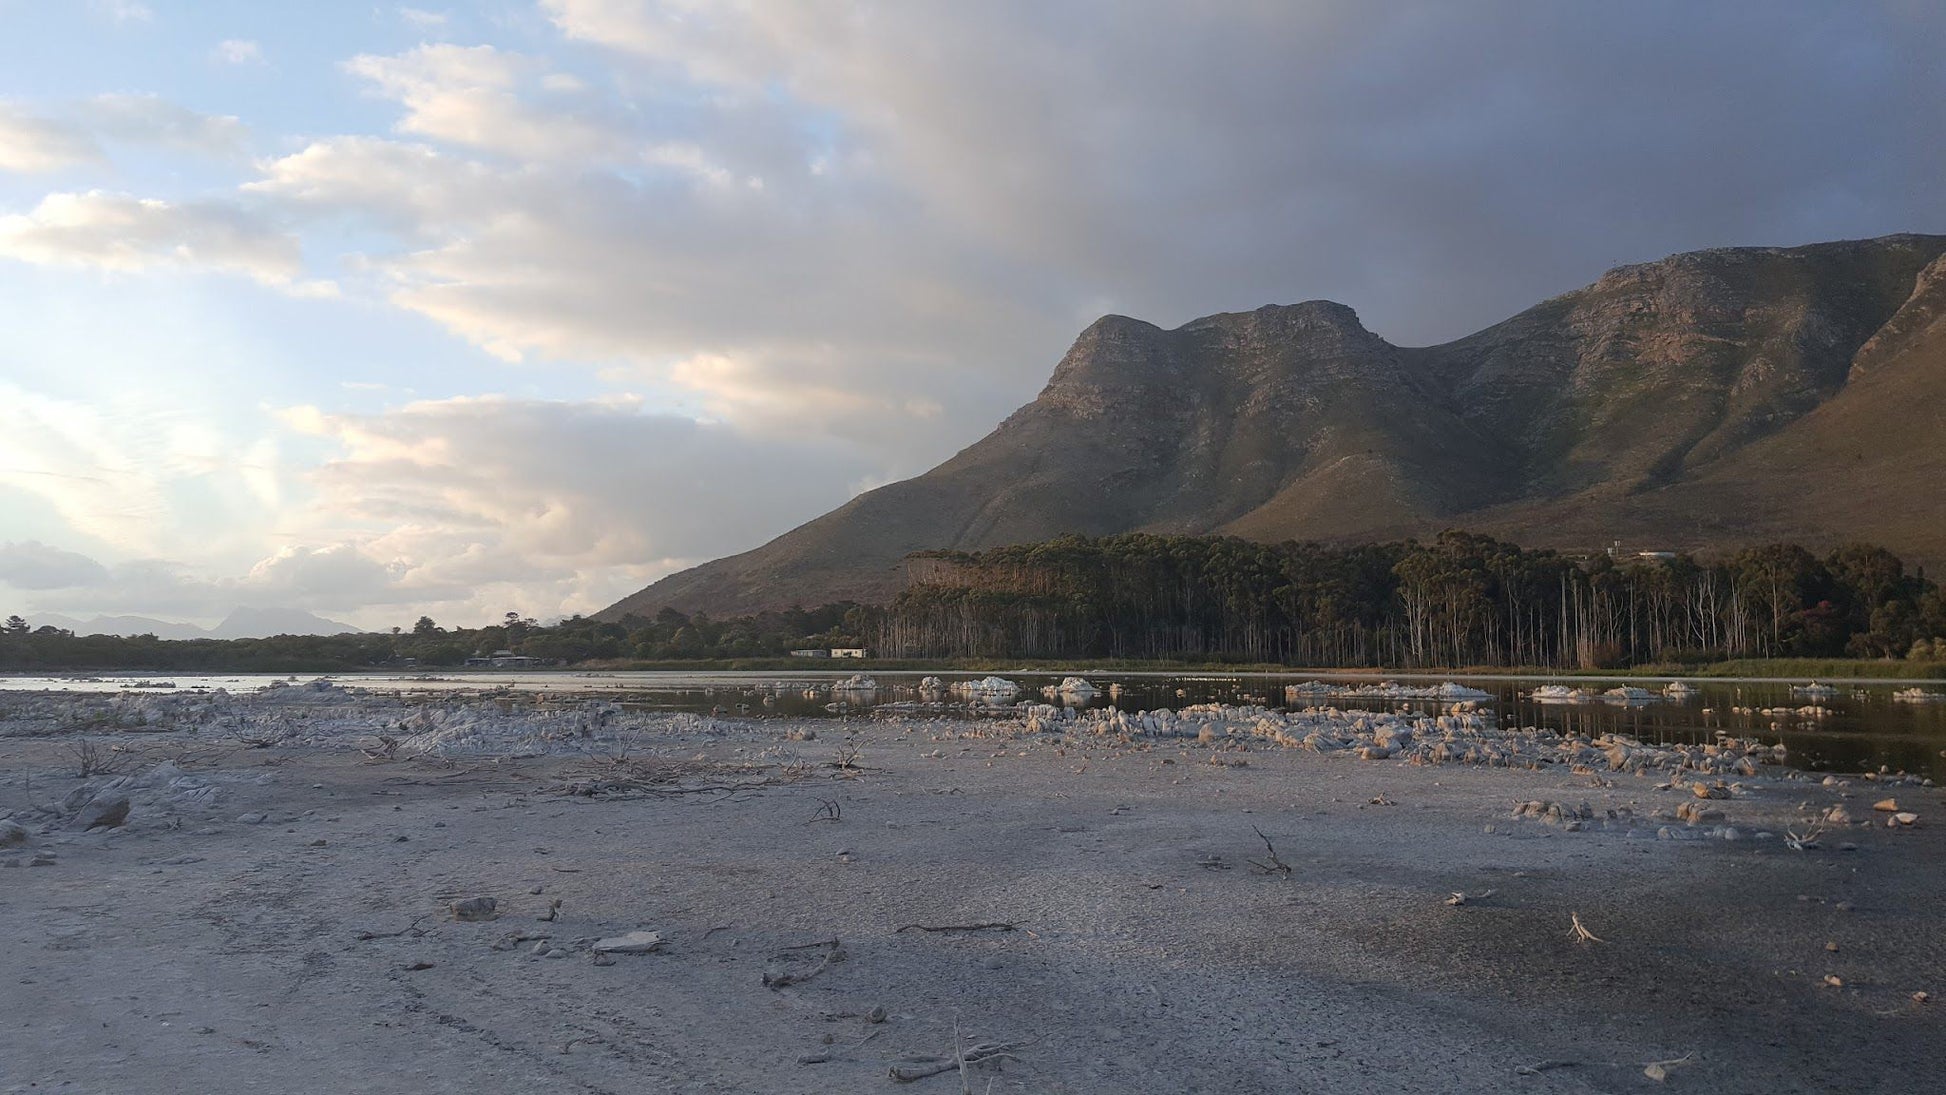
(33, 144)
(239, 51)
(832, 241)
(127, 234)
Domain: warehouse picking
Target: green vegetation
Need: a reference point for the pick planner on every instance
(1461, 601)
(670, 637)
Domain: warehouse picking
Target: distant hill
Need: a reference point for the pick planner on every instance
(1711, 399)
(241, 623)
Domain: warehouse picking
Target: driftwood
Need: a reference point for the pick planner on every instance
(1579, 932)
(783, 977)
(991, 925)
(958, 1062)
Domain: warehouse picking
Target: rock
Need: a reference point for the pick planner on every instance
(635, 942)
(1904, 817)
(101, 813)
(251, 819)
(1886, 805)
(12, 834)
(42, 860)
(1711, 790)
(603, 959)
(555, 952)
(476, 908)
(1838, 815)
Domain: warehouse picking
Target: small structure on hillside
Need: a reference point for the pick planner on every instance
(812, 653)
(848, 652)
(503, 659)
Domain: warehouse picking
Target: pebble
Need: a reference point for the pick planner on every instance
(12, 834)
(251, 819)
(635, 942)
(555, 952)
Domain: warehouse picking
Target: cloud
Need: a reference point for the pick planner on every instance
(149, 119)
(1177, 160)
(239, 51)
(470, 95)
(71, 134)
(419, 17)
(30, 144)
(126, 234)
(34, 565)
(121, 11)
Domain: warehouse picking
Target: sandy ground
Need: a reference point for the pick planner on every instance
(198, 948)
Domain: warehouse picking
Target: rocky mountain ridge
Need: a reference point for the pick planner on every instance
(1709, 399)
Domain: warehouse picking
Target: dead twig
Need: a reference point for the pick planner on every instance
(1274, 865)
(991, 925)
(1579, 932)
(386, 749)
(978, 1053)
(90, 759)
(1801, 842)
(782, 975)
(828, 810)
(1539, 1067)
(1459, 898)
(1659, 1070)
(409, 929)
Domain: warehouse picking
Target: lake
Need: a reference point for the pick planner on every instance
(1862, 727)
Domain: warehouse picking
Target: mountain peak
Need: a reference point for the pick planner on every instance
(1710, 399)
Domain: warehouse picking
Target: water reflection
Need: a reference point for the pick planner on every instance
(1850, 728)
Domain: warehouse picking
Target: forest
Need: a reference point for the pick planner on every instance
(1460, 600)
(670, 636)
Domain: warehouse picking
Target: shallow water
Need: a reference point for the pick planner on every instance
(1865, 728)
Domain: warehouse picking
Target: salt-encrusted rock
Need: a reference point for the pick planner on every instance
(102, 813)
(1886, 805)
(1838, 815)
(635, 942)
(476, 908)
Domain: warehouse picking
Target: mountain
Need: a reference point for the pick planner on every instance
(1711, 399)
(242, 623)
(253, 623)
(120, 625)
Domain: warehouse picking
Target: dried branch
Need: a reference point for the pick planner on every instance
(991, 925)
(782, 976)
(1274, 865)
(970, 1055)
(1579, 932)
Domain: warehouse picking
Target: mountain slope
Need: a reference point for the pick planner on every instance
(1705, 399)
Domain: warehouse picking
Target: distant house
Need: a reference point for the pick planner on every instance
(847, 651)
(820, 653)
(1658, 556)
(503, 659)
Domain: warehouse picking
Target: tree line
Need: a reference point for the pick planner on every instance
(668, 636)
(1460, 600)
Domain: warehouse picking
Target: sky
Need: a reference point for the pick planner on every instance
(383, 311)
